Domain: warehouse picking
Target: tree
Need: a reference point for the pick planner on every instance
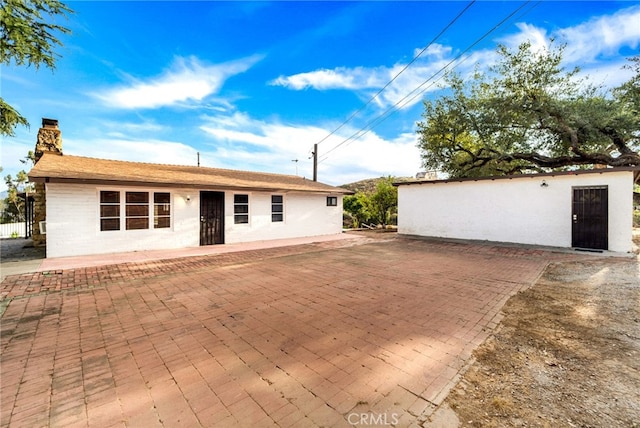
(384, 202)
(529, 114)
(13, 209)
(376, 207)
(27, 38)
(354, 209)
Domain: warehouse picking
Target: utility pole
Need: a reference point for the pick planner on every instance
(315, 162)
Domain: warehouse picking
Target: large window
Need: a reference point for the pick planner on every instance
(241, 209)
(277, 208)
(137, 210)
(161, 210)
(140, 208)
(109, 210)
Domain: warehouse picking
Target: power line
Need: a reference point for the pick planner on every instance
(373, 123)
(415, 58)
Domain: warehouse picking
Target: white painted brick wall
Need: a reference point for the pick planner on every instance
(515, 210)
(304, 215)
(73, 223)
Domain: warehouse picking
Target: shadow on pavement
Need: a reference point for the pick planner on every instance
(19, 249)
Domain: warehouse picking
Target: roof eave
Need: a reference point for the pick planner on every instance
(635, 170)
(202, 186)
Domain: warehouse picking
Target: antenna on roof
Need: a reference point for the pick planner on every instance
(198, 158)
(296, 161)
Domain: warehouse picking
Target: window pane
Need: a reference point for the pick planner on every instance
(162, 198)
(240, 199)
(137, 197)
(332, 201)
(276, 217)
(164, 209)
(241, 219)
(109, 197)
(137, 210)
(276, 208)
(241, 209)
(137, 223)
(109, 210)
(161, 222)
(110, 224)
(276, 199)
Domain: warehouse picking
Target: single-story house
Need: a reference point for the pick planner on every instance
(585, 209)
(96, 206)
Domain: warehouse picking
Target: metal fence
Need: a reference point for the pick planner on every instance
(12, 230)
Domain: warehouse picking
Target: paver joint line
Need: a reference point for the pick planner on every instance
(303, 334)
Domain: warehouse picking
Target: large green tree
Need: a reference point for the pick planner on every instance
(377, 206)
(28, 37)
(527, 114)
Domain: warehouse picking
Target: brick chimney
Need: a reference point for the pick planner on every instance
(49, 140)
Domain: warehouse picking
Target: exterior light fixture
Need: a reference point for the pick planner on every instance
(544, 184)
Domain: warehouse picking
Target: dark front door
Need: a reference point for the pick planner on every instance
(590, 216)
(211, 218)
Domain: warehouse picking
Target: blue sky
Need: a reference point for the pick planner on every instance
(253, 85)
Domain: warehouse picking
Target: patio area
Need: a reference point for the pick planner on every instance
(320, 334)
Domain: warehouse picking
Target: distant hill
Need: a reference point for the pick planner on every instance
(369, 184)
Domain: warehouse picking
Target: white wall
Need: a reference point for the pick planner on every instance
(515, 210)
(305, 214)
(73, 222)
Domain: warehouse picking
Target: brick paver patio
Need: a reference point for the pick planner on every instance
(375, 333)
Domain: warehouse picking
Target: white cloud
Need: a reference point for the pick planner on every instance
(188, 79)
(152, 151)
(338, 78)
(587, 44)
(368, 81)
(371, 156)
(603, 35)
(608, 75)
(538, 37)
(245, 143)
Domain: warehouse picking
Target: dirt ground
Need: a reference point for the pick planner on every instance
(567, 353)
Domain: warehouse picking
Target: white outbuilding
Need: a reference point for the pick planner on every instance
(584, 209)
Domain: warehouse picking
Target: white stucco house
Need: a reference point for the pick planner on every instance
(587, 209)
(96, 206)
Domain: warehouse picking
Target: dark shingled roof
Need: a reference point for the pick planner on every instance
(55, 168)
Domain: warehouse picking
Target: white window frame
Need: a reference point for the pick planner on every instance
(153, 210)
(248, 213)
(282, 203)
(123, 210)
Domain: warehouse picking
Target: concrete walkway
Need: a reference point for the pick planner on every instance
(336, 333)
(19, 257)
